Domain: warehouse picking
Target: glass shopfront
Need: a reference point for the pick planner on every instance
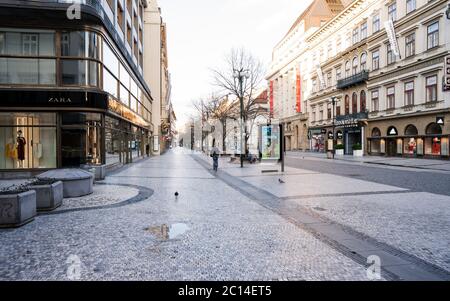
(81, 139)
(28, 140)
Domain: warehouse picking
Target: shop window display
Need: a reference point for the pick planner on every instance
(433, 144)
(28, 140)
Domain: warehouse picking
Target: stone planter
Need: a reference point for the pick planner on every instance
(358, 153)
(339, 152)
(76, 182)
(17, 209)
(48, 197)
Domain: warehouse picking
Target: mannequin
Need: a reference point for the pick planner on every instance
(21, 142)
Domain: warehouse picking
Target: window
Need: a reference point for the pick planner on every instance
(355, 36)
(355, 66)
(80, 44)
(321, 114)
(129, 7)
(433, 35)
(27, 71)
(410, 45)
(338, 45)
(390, 55)
(38, 143)
(363, 30)
(362, 102)
(354, 103)
(376, 60)
(338, 110)
(390, 97)
(120, 16)
(330, 50)
(329, 113)
(410, 6)
(347, 105)
(110, 60)
(79, 72)
(363, 62)
(110, 83)
(392, 12)
(338, 74)
(347, 69)
(136, 49)
(124, 95)
(376, 23)
(2, 43)
(409, 93)
(314, 85)
(375, 101)
(129, 35)
(30, 44)
(431, 88)
(329, 83)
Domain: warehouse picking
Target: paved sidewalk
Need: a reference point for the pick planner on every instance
(415, 223)
(431, 164)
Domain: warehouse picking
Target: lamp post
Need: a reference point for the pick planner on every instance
(240, 75)
(333, 102)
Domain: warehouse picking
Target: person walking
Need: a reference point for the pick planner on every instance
(215, 153)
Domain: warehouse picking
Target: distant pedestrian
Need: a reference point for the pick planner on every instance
(215, 153)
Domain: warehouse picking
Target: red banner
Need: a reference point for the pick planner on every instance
(271, 99)
(299, 93)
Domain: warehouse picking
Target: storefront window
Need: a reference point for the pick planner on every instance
(410, 146)
(81, 139)
(28, 140)
(375, 146)
(110, 83)
(113, 140)
(433, 144)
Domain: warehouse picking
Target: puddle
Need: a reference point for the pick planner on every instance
(166, 232)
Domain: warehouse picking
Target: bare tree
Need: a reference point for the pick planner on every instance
(239, 60)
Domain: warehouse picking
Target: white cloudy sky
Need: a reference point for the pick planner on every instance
(201, 32)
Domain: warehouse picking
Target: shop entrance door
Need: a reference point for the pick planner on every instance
(353, 137)
(391, 148)
(73, 147)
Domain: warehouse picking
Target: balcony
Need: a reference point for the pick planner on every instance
(353, 80)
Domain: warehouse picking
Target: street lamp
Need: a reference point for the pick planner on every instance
(333, 102)
(240, 75)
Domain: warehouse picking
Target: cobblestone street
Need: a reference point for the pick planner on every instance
(220, 229)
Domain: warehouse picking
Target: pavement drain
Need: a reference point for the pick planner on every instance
(165, 232)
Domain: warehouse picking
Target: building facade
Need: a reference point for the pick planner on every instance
(156, 72)
(378, 84)
(289, 72)
(71, 84)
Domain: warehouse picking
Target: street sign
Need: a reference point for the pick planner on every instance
(440, 120)
(392, 131)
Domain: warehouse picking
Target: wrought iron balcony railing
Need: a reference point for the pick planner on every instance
(353, 80)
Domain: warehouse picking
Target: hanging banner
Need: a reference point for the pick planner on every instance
(270, 142)
(447, 74)
(298, 92)
(320, 75)
(390, 30)
(271, 99)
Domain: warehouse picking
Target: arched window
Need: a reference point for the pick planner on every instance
(354, 103)
(376, 132)
(355, 65)
(363, 61)
(411, 130)
(362, 101)
(347, 69)
(347, 105)
(433, 129)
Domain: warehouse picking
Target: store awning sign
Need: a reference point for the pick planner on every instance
(440, 120)
(340, 135)
(392, 131)
(447, 74)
